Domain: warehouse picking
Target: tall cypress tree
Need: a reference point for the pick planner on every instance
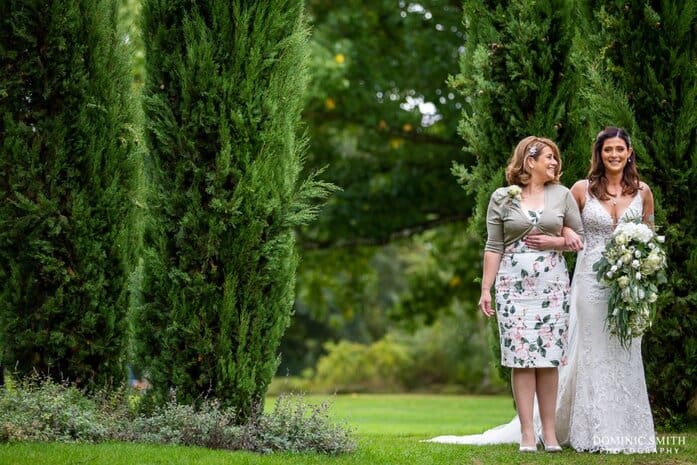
(224, 89)
(515, 76)
(638, 59)
(68, 169)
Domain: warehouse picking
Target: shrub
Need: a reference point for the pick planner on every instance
(296, 426)
(354, 367)
(48, 411)
(42, 410)
(207, 426)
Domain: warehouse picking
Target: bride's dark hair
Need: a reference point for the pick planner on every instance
(597, 181)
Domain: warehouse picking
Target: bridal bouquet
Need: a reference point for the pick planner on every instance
(632, 265)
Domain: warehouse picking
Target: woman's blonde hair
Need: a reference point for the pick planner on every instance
(531, 146)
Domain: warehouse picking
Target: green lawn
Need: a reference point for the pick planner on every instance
(388, 429)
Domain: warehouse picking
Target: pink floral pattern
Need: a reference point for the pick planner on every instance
(532, 307)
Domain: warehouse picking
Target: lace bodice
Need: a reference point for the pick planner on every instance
(598, 226)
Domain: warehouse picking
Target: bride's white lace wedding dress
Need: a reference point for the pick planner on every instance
(602, 403)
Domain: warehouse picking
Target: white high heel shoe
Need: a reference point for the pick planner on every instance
(550, 448)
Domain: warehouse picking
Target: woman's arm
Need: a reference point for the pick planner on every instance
(648, 206)
(492, 261)
(545, 242)
(572, 228)
(578, 190)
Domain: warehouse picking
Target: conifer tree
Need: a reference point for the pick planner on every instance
(514, 74)
(68, 164)
(223, 94)
(638, 62)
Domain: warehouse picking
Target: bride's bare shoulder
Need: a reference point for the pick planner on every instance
(578, 190)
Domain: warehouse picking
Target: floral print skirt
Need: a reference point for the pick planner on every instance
(532, 307)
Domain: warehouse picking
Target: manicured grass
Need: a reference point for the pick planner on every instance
(388, 429)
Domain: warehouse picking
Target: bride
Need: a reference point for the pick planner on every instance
(602, 402)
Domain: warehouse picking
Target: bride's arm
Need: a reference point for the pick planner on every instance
(648, 207)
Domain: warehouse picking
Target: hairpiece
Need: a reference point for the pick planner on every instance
(532, 151)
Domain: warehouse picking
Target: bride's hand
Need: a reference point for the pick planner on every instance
(572, 241)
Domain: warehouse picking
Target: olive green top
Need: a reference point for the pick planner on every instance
(506, 222)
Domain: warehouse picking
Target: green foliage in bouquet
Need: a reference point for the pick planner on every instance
(223, 95)
(69, 164)
(632, 265)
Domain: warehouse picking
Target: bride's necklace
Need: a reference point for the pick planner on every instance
(613, 197)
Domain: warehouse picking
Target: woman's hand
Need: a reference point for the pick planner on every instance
(544, 242)
(572, 241)
(485, 303)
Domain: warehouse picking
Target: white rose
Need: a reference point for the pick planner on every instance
(652, 245)
(614, 268)
(635, 264)
(637, 254)
(609, 274)
(638, 276)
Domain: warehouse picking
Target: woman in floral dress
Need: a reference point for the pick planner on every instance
(523, 257)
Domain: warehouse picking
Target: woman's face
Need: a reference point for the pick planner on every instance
(544, 167)
(615, 155)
